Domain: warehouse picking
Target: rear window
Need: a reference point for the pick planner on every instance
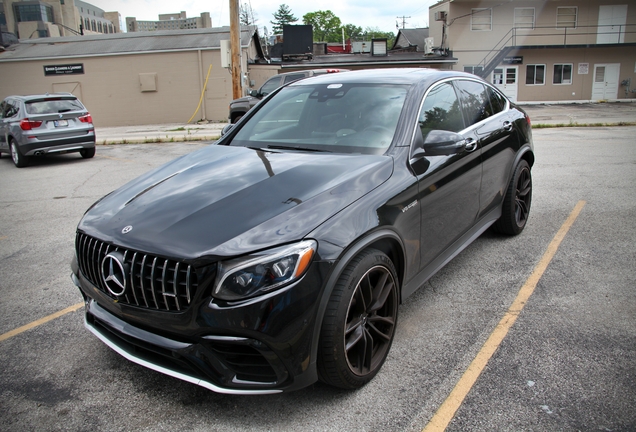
(53, 106)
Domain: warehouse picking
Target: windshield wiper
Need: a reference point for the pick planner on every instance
(280, 147)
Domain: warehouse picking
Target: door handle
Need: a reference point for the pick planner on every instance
(471, 144)
(507, 126)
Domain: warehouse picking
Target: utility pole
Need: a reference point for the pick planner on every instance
(235, 50)
(403, 20)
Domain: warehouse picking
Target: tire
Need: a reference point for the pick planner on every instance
(516, 204)
(237, 118)
(19, 159)
(88, 153)
(359, 322)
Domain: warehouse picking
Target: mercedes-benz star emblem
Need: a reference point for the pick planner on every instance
(114, 273)
(126, 229)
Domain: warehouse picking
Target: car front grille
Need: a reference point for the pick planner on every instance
(152, 282)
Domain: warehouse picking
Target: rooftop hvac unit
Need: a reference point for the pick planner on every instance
(440, 16)
(428, 45)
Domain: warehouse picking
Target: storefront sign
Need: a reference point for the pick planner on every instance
(72, 69)
(513, 60)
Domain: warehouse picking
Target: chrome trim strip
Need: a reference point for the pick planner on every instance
(225, 338)
(163, 284)
(152, 282)
(132, 279)
(175, 285)
(141, 280)
(188, 283)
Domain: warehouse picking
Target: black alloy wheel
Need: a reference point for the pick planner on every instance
(360, 322)
(516, 205)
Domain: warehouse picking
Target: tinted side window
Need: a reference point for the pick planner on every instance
(2, 107)
(9, 110)
(294, 77)
(271, 85)
(475, 101)
(497, 101)
(441, 111)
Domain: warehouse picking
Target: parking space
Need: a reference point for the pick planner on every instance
(567, 363)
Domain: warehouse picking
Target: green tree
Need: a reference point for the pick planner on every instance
(326, 26)
(282, 16)
(247, 15)
(352, 32)
(375, 33)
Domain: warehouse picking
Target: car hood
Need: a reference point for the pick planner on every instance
(225, 201)
(249, 99)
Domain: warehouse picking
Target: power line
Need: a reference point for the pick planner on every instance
(403, 21)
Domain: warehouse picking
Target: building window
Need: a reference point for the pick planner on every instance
(93, 25)
(562, 74)
(475, 70)
(524, 18)
(32, 12)
(535, 75)
(87, 24)
(481, 20)
(566, 17)
(99, 27)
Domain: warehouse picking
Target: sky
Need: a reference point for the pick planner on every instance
(363, 13)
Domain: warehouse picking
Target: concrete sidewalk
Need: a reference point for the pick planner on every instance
(171, 132)
(609, 113)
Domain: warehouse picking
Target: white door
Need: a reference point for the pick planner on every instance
(611, 24)
(505, 79)
(605, 84)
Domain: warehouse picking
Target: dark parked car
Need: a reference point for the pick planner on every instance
(238, 107)
(45, 124)
(279, 255)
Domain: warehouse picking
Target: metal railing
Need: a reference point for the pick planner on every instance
(560, 37)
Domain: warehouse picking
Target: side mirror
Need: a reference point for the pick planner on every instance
(443, 143)
(226, 128)
(254, 93)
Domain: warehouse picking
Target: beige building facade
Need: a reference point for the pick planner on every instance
(557, 50)
(29, 19)
(132, 79)
(170, 22)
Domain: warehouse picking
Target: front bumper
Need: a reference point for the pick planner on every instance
(259, 347)
(154, 351)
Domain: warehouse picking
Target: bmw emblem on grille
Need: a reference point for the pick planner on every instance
(126, 229)
(114, 273)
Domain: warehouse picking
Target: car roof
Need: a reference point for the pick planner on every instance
(385, 76)
(26, 98)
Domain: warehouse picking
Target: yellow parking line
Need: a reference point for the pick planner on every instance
(41, 321)
(446, 411)
(3, 237)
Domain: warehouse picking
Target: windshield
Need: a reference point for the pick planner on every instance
(345, 118)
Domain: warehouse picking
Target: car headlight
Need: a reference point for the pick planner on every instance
(262, 272)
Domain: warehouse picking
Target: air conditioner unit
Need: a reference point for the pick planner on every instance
(440, 16)
(428, 45)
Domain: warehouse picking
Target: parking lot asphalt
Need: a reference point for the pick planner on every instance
(567, 363)
(541, 114)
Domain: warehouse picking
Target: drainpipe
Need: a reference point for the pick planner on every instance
(203, 115)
